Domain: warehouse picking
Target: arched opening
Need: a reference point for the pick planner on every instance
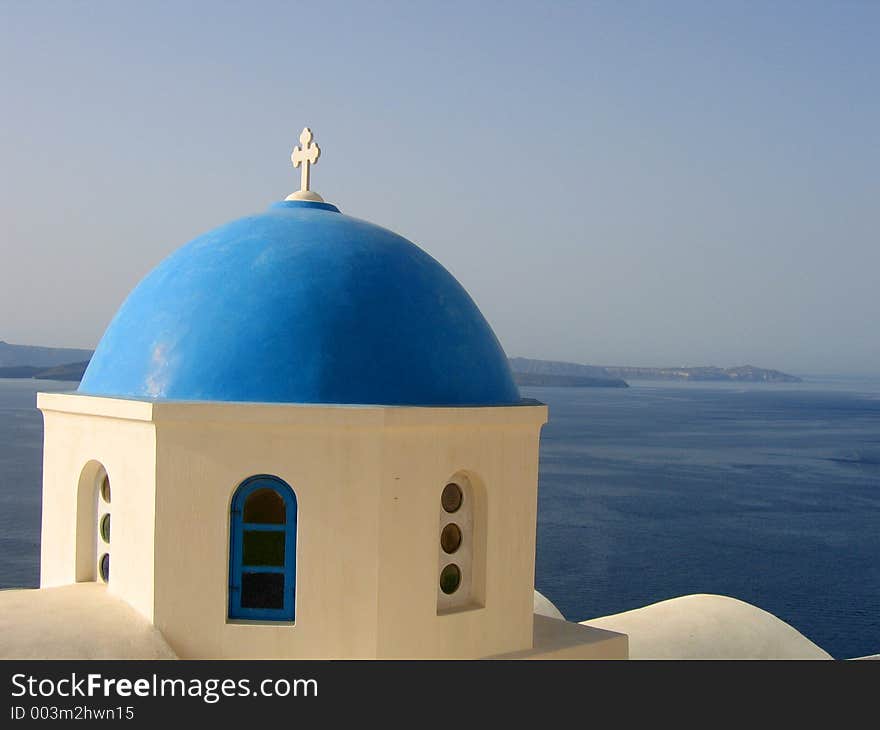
(93, 524)
(461, 544)
(262, 550)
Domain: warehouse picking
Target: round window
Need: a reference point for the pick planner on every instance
(104, 566)
(105, 489)
(105, 528)
(450, 538)
(450, 579)
(452, 497)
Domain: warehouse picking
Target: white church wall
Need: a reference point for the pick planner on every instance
(81, 433)
(497, 448)
(330, 460)
(367, 482)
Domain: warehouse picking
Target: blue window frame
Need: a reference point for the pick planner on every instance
(262, 550)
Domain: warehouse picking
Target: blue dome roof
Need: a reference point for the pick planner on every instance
(301, 304)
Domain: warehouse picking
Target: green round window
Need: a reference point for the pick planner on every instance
(105, 528)
(450, 579)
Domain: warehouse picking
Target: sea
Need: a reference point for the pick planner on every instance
(769, 493)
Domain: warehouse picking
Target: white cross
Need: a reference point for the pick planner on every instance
(306, 155)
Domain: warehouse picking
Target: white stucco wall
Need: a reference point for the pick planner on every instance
(368, 483)
(498, 450)
(333, 468)
(119, 436)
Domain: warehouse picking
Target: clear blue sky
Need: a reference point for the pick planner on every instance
(641, 183)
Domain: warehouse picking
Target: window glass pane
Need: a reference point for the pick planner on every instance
(452, 497)
(104, 567)
(450, 579)
(263, 548)
(450, 538)
(264, 506)
(262, 590)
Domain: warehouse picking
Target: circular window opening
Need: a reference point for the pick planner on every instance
(452, 497)
(450, 538)
(105, 528)
(104, 567)
(105, 489)
(450, 579)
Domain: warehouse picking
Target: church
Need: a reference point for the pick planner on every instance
(298, 438)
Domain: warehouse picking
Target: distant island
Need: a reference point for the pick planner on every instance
(68, 371)
(527, 371)
(64, 363)
(742, 374)
(567, 374)
(39, 357)
(43, 363)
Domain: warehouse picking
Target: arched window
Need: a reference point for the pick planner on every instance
(262, 559)
(93, 524)
(461, 547)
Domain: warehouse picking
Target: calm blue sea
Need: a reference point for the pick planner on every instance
(769, 493)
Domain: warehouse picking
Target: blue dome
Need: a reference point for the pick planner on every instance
(301, 304)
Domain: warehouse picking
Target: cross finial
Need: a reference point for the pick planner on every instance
(306, 154)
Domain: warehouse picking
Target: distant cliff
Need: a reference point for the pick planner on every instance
(551, 372)
(527, 371)
(69, 371)
(742, 373)
(38, 357)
